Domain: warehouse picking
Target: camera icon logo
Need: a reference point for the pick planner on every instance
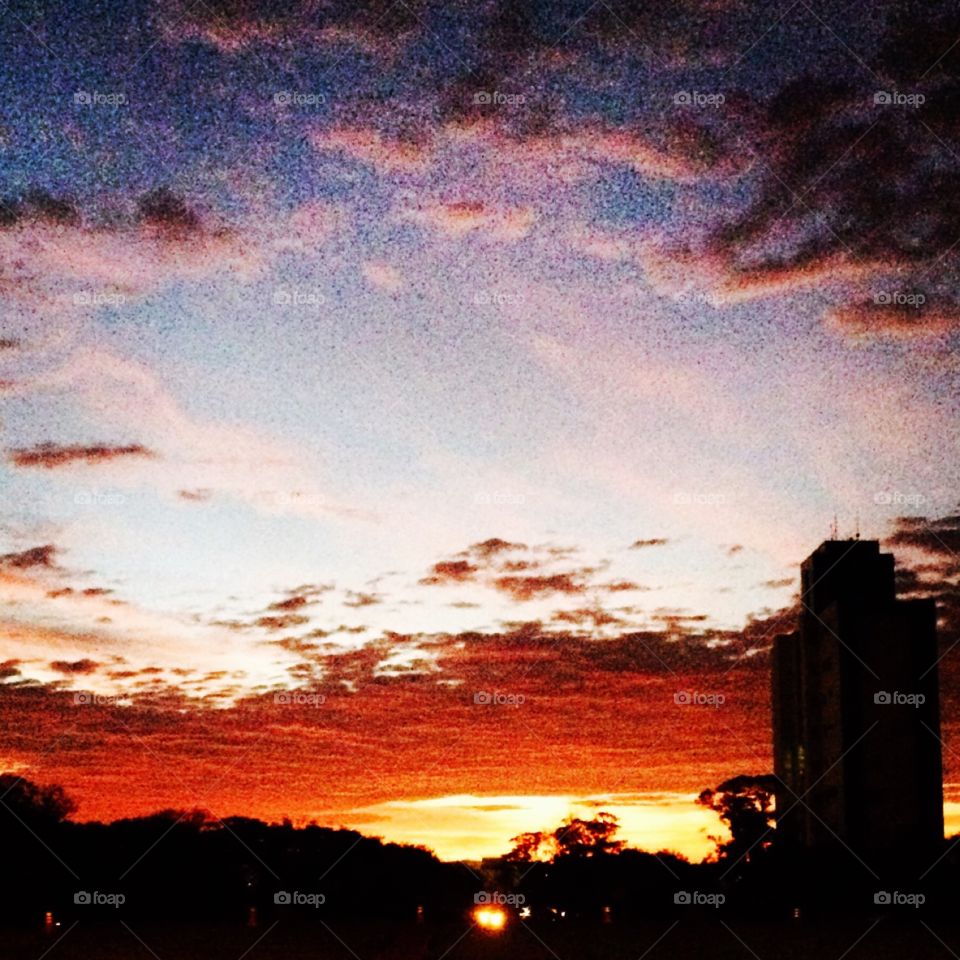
(282, 897)
(882, 697)
(82, 897)
(682, 897)
(882, 898)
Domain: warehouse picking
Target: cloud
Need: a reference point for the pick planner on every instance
(84, 666)
(190, 453)
(938, 537)
(34, 557)
(51, 455)
(232, 26)
(859, 182)
(493, 547)
(195, 496)
(382, 275)
(282, 622)
(168, 213)
(531, 587)
(450, 571)
(462, 217)
(357, 598)
(290, 603)
(371, 146)
(38, 206)
(870, 320)
(653, 542)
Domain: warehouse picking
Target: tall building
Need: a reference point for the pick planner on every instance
(856, 716)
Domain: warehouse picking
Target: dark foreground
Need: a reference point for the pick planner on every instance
(876, 938)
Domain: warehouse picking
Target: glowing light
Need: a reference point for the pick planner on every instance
(490, 918)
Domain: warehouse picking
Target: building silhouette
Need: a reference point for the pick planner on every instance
(856, 717)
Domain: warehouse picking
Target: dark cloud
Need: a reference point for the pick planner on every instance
(282, 622)
(34, 557)
(358, 598)
(588, 617)
(861, 182)
(291, 603)
(653, 542)
(450, 571)
(86, 592)
(532, 587)
(493, 547)
(167, 211)
(195, 496)
(938, 537)
(9, 669)
(38, 206)
(49, 456)
(621, 586)
(233, 25)
(84, 666)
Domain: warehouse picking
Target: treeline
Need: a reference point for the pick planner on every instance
(177, 865)
(189, 864)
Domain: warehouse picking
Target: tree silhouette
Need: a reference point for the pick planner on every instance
(33, 804)
(745, 805)
(575, 837)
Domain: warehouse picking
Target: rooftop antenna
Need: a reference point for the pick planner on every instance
(833, 528)
(856, 535)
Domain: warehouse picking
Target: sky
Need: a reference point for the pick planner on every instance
(415, 414)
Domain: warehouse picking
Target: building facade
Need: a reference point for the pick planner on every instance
(856, 716)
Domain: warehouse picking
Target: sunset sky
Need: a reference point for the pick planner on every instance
(405, 405)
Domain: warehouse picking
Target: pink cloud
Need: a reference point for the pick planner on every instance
(368, 145)
(382, 275)
(459, 218)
